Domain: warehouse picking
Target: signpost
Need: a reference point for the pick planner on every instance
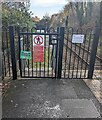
(78, 38)
(38, 48)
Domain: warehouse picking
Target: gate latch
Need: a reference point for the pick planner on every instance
(52, 40)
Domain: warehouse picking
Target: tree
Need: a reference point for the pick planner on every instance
(86, 12)
(44, 23)
(16, 14)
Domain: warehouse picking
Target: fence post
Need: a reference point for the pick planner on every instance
(93, 52)
(60, 53)
(0, 53)
(12, 48)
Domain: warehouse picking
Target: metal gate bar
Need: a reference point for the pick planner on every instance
(77, 58)
(6, 61)
(41, 69)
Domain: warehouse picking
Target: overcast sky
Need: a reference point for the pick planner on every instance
(41, 7)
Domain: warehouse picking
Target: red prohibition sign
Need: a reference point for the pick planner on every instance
(38, 40)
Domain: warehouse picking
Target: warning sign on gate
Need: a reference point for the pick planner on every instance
(78, 38)
(38, 48)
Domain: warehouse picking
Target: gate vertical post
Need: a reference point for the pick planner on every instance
(93, 52)
(56, 54)
(60, 53)
(19, 49)
(12, 48)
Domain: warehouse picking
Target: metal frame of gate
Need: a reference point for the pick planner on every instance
(52, 65)
(57, 69)
(5, 55)
(79, 58)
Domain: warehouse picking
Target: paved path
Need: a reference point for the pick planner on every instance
(95, 86)
(50, 99)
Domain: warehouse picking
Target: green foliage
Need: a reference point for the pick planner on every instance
(44, 22)
(16, 14)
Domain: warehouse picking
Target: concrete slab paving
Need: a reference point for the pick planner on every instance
(66, 92)
(50, 98)
(80, 108)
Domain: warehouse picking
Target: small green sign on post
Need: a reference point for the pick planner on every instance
(25, 55)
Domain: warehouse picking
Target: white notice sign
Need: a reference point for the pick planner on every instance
(78, 38)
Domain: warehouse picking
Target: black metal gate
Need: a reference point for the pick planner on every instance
(61, 57)
(79, 58)
(6, 54)
(51, 65)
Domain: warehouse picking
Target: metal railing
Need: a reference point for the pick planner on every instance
(6, 54)
(79, 58)
(62, 58)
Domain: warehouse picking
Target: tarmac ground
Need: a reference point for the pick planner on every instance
(50, 98)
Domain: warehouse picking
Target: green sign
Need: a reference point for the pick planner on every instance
(25, 55)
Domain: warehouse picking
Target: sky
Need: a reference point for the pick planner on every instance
(41, 7)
